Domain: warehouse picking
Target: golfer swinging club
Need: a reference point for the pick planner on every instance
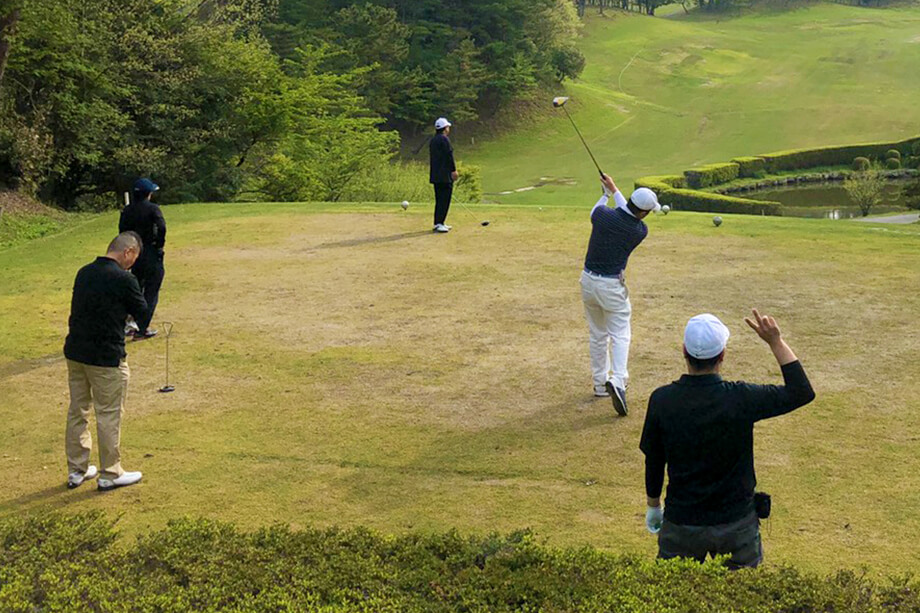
(615, 232)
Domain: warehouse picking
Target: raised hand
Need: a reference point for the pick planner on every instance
(765, 327)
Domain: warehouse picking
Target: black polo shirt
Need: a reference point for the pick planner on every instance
(103, 296)
(145, 218)
(440, 159)
(702, 428)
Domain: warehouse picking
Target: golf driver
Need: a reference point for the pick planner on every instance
(465, 208)
(559, 102)
(167, 329)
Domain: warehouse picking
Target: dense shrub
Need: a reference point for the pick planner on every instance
(915, 147)
(711, 174)
(861, 164)
(893, 163)
(662, 183)
(394, 182)
(912, 162)
(750, 166)
(795, 159)
(892, 153)
(73, 563)
(693, 200)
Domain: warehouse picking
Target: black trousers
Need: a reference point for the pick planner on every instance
(739, 539)
(149, 272)
(442, 195)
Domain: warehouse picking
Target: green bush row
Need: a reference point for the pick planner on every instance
(751, 166)
(796, 159)
(693, 200)
(671, 190)
(76, 563)
(711, 174)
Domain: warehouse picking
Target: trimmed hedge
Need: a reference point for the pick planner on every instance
(708, 202)
(662, 183)
(750, 166)
(893, 163)
(711, 174)
(796, 159)
(75, 563)
(861, 163)
(893, 153)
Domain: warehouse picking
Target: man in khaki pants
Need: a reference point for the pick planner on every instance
(104, 294)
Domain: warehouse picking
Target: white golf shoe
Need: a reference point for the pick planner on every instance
(104, 485)
(601, 392)
(76, 479)
(441, 228)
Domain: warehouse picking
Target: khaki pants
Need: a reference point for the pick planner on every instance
(105, 387)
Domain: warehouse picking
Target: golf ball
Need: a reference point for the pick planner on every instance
(405, 204)
(717, 221)
(665, 209)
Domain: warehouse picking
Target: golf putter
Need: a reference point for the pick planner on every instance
(559, 102)
(167, 329)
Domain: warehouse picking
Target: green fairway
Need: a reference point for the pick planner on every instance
(659, 95)
(340, 364)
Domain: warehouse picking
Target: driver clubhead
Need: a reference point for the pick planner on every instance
(166, 389)
(485, 223)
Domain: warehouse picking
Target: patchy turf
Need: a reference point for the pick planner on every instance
(661, 95)
(341, 365)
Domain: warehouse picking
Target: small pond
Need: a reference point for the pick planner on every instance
(828, 200)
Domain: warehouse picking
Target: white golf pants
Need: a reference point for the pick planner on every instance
(608, 311)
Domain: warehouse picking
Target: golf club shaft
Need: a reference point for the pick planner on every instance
(468, 210)
(587, 148)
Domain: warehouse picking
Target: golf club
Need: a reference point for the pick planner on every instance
(559, 102)
(167, 330)
(465, 208)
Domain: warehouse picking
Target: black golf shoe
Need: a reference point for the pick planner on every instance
(618, 396)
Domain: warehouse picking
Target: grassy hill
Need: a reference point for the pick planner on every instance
(661, 94)
(339, 364)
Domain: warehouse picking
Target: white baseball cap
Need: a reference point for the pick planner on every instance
(441, 123)
(705, 336)
(645, 199)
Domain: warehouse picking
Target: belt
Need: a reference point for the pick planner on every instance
(621, 276)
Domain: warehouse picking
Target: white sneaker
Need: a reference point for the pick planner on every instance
(601, 392)
(131, 327)
(441, 228)
(447, 226)
(75, 479)
(104, 485)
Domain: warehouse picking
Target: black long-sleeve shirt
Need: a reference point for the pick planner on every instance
(103, 296)
(441, 160)
(702, 429)
(145, 218)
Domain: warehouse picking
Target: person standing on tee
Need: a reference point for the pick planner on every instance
(442, 173)
(145, 217)
(615, 232)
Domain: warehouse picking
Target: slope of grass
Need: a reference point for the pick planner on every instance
(660, 95)
(342, 365)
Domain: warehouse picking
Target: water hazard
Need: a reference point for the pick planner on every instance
(829, 200)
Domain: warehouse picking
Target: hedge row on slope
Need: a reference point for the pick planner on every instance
(682, 192)
(77, 563)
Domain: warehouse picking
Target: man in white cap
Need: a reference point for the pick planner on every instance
(615, 232)
(442, 172)
(702, 429)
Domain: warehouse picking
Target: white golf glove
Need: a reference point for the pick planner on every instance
(653, 518)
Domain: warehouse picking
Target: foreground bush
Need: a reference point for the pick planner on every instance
(76, 563)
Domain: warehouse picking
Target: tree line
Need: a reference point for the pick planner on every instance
(271, 99)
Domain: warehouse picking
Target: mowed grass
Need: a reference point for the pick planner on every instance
(342, 365)
(659, 95)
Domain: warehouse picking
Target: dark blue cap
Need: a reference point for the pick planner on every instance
(145, 185)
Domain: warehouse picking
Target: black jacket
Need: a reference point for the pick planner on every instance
(103, 296)
(703, 428)
(441, 159)
(145, 218)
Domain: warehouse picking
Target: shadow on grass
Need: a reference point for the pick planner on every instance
(55, 497)
(22, 366)
(372, 240)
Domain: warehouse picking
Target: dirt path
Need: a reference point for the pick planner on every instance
(907, 218)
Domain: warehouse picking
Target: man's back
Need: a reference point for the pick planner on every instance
(702, 427)
(145, 218)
